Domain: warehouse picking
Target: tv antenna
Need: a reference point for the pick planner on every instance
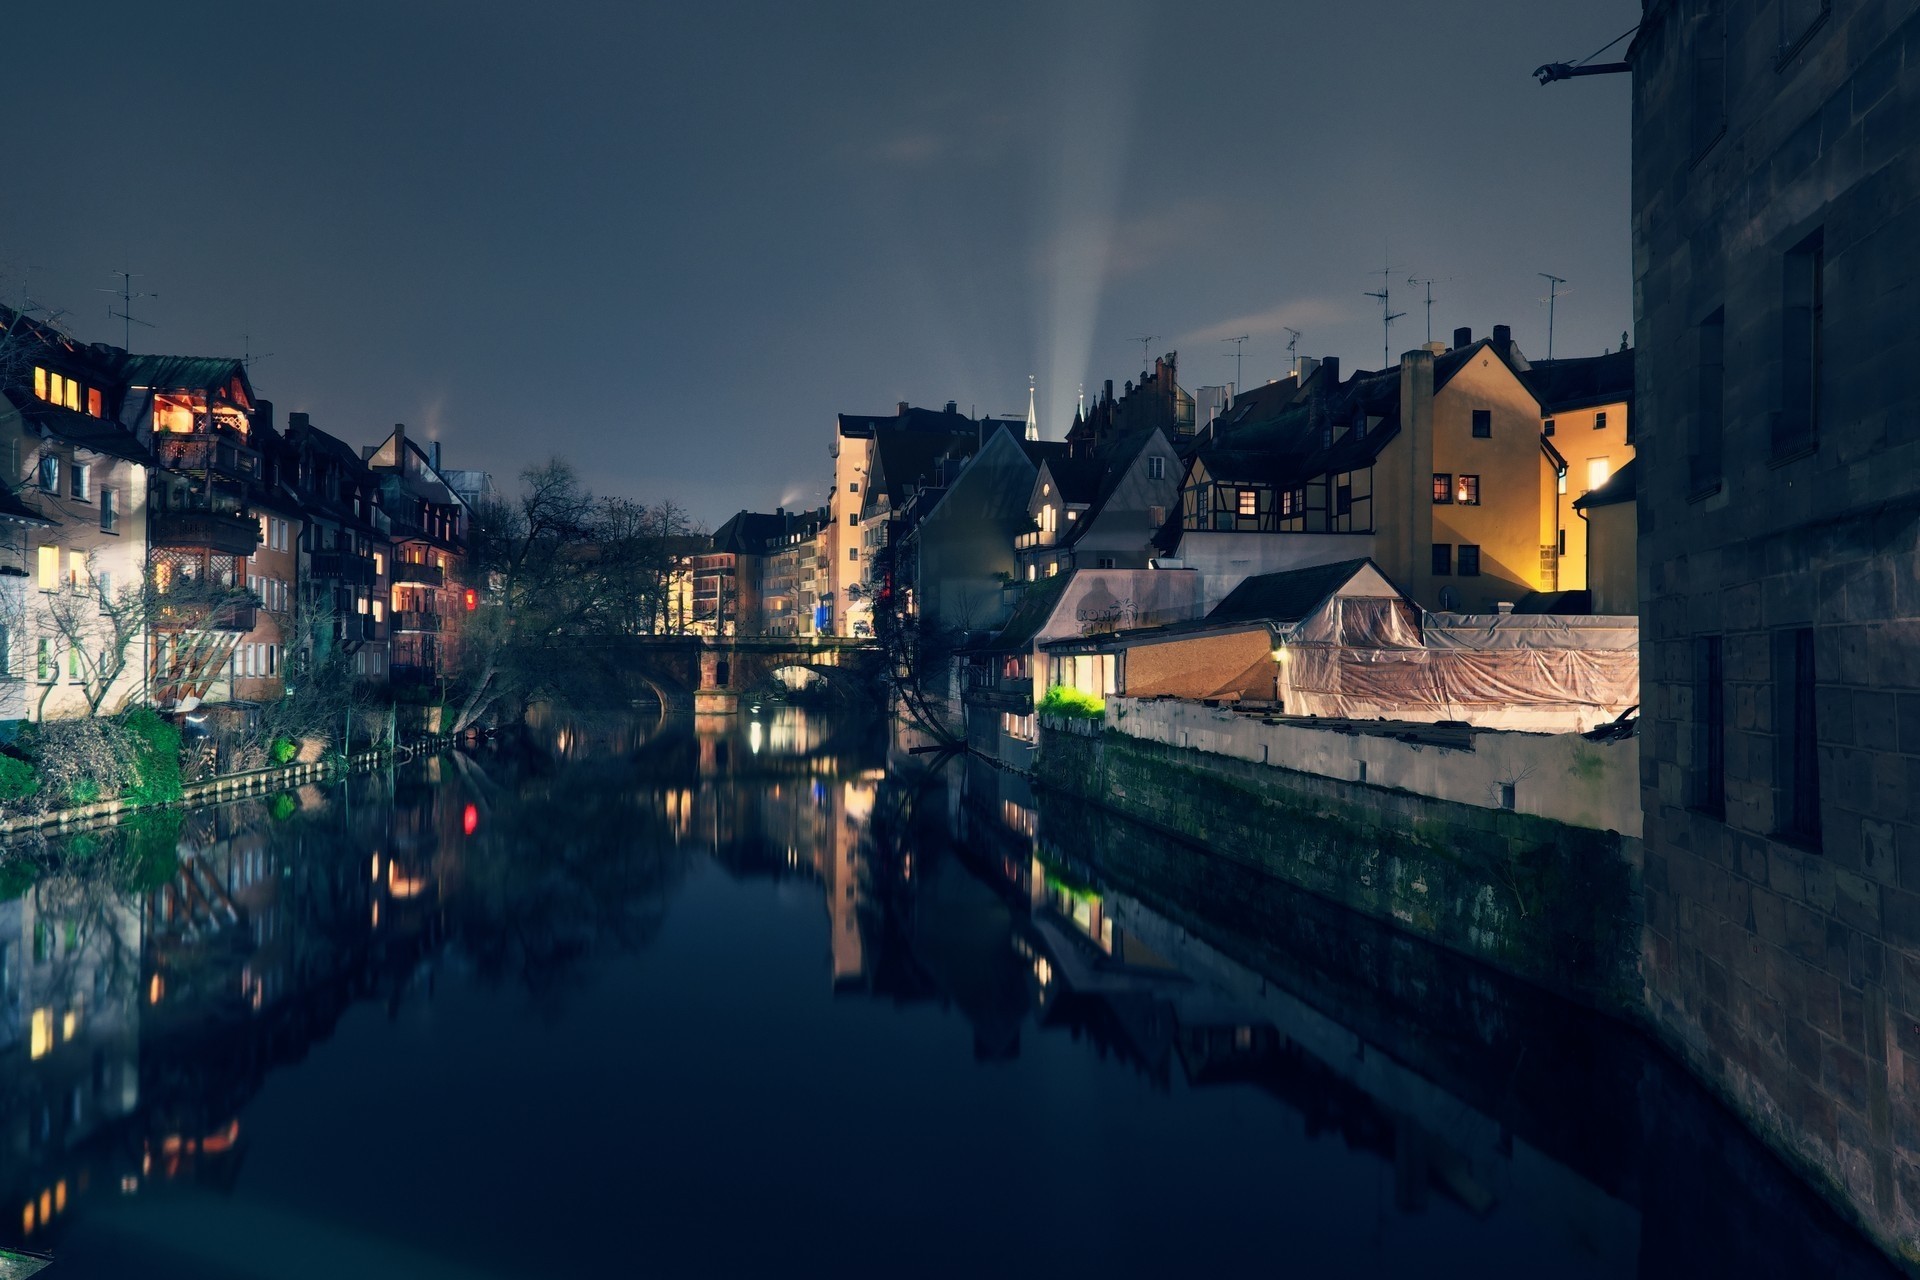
(1387, 315)
(1293, 355)
(125, 314)
(1145, 341)
(1553, 293)
(1429, 286)
(247, 358)
(1238, 344)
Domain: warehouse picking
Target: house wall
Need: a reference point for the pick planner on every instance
(1580, 443)
(1612, 537)
(1506, 524)
(1786, 971)
(1225, 560)
(966, 542)
(1122, 527)
(258, 662)
(851, 455)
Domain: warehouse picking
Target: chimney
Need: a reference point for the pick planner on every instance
(1462, 337)
(1502, 339)
(952, 407)
(1330, 371)
(1109, 391)
(903, 409)
(263, 413)
(297, 420)
(400, 445)
(435, 454)
(1503, 606)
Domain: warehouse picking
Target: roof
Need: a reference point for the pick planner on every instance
(1077, 479)
(11, 508)
(200, 373)
(906, 458)
(749, 532)
(102, 435)
(865, 424)
(1544, 602)
(1287, 596)
(1036, 605)
(1581, 381)
(1619, 488)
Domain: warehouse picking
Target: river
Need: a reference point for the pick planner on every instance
(761, 999)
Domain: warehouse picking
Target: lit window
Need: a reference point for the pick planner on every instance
(1032, 573)
(40, 1039)
(39, 383)
(93, 402)
(1468, 492)
(49, 566)
(1249, 502)
(1442, 487)
(1597, 472)
(71, 398)
(379, 562)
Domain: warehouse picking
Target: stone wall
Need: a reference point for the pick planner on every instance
(1556, 905)
(1779, 468)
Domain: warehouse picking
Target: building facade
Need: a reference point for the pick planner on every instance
(1776, 210)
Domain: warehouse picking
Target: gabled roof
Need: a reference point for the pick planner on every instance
(749, 532)
(1076, 479)
(1581, 381)
(1036, 605)
(1288, 596)
(863, 425)
(907, 459)
(1620, 487)
(198, 373)
(102, 435)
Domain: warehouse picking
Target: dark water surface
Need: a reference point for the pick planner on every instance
(747, 1002)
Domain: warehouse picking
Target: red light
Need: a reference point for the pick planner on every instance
(473, 599)
(470, 820)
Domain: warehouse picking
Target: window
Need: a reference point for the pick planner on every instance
(1249, 502)
(1560, 480)
(44, 660)
(379, 563)
(1598, 469)
(104, 582)
(1546, 428)
(1156, 516)
(94, 407)
(1467, 494)
(73, 662)
(109, 512)
(1707, 54)
(1561, 546)
(1359, 426)
(1053, 567)
(1106, 562)
(49, 473)
(1709, 408)
(77, 568)
(1797, 429)
(1469, 560)
(1483, 424)
(80, 481)
(1799, 19)
(1442, 487)
(1442, 559)
(48, 566)
(853, 519)
(1600, 420)
(853, 553)
(1156, 468)
(1709, 728)
(1343, 500)
(1796, 738)
(1032, 572)
(1326, 435)
(853, 486)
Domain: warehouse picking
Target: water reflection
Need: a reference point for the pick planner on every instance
(636, 904)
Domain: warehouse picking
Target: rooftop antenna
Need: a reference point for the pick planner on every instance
(247, 358)
(1553, 292)
(1429, 284)
(1293, 342)
(1145, 340)
(1387, 316)
(125, 314)
(1238, 344)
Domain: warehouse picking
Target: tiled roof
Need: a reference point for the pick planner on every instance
(1581, 381)
(196, 372)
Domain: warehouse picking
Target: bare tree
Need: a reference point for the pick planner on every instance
(100, 629)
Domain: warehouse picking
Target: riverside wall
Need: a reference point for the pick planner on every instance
(1528, 890)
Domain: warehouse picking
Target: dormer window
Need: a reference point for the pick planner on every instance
(68, 393)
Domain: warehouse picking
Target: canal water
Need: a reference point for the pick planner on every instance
(753, 1000)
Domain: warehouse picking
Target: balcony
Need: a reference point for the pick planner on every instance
(1038, 538)
(219, 451)
(415, 620)
(191, 611)
(343, 567)
(356, 627)
(426, 575)
(233, 533)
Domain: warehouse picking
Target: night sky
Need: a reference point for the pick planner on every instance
(671, 241)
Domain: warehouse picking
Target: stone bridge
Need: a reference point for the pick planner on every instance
(710, 674)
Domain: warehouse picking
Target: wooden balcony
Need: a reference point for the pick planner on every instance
(342, 567)
(218, 451)
(426, 575)
(414, 620)
(232, 533)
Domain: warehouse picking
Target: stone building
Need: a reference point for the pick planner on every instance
(1776, 214)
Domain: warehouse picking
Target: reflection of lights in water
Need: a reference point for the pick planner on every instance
(857, 799)
(129, 1184)
(401, 885)
(376, 915)
(69, 1025)
(470, 819)
(376, 865)
(754, 734)
(156, 989)
(60, 1196)
(1042, 970)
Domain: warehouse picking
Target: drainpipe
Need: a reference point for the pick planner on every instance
(1589, 523)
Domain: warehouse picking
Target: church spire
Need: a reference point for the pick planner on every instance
(1033, 418)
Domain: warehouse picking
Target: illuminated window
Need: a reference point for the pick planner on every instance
(76, 568)
(1597, 472)
(39, 383)
(93, 402)
(379, 610)
(1249, 500)
(1467, 494)
(1561, 482)
(40, 1037)
(379, 562)
(1032, 572)
(71, 395)
(1286, 503)
(49, 567)
(1442, 487)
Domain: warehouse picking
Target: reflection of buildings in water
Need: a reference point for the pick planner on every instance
(1109, 969)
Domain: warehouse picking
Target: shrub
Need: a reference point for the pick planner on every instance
(78, 761)
(154, 746)
(283, 751)
(17, 780)
(1064, 701)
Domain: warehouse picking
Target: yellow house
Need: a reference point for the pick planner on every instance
(1586, 416)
